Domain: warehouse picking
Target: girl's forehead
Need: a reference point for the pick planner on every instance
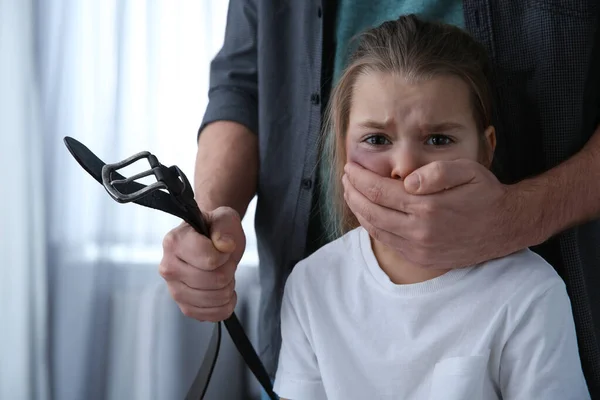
(390, 98)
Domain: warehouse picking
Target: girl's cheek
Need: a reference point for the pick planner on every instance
(375, 161)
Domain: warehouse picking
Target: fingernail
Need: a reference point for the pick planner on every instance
(222, 237)
(412, 182)
(224, 243)
(225, 238)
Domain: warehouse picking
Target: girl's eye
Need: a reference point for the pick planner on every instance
(377, 140)
(439, 140)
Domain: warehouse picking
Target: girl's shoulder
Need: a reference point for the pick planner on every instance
(330, 265)
(522, 273)
(527, 263)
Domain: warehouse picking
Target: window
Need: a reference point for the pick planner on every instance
(127, 80)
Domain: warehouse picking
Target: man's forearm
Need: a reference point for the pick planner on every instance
(226, 167)
(563, 197)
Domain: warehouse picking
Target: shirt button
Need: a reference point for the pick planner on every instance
(319, 12)
(315, 98)
(306, 184)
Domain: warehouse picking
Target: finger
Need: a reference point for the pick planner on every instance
(382, 218)
(386, 192)
(226, 230)
(173, 269)
(400, 244)
(438, 176)
(212, 314)
(183, 294)
(193, 248)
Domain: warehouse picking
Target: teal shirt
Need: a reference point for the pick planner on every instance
(353, 17)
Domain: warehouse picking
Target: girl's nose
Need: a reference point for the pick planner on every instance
(404, 161)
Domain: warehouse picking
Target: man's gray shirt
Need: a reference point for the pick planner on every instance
(272, 75)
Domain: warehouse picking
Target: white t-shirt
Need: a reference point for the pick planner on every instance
(500, 330)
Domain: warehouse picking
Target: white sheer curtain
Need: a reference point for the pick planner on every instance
(122, 76)
(79, 270)
(23, 351)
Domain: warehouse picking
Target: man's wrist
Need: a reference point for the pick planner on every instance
(559, 199)
(226, 167)
(531, 217)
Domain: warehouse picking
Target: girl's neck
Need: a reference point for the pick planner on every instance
(399, 270)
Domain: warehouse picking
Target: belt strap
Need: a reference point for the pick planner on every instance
(173, 194)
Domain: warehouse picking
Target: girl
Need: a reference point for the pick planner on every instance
(360, 322)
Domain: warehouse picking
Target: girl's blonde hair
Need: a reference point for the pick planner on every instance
(412, 48)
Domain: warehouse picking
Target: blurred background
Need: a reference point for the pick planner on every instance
(83, 311)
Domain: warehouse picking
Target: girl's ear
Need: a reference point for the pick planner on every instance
(488, 145)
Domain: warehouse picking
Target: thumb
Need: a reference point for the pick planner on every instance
(226, 231)
(438, 176)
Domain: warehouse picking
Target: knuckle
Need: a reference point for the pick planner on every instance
(417, 236)
(212, 261)
(230, 290)
(231, 305)
(375, 193)
(175, 293)
(426, 207)
(225, 294)
(167, 270)
(424, 237)
(226, 215)
(233, 215)
(221, 279)
(219, 298)
(188, 311)
(365, 212)
(169, 242)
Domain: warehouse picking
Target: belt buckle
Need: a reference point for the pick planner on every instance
(110, 184)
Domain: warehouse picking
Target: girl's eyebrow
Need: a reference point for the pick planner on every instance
(435, 127)
(441, 126)
(372, 124)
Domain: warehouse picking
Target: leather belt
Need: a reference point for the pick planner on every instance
(173, 194)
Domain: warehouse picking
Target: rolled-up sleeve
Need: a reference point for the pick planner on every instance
(233, 93)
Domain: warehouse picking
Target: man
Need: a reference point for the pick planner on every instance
(260, 134)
